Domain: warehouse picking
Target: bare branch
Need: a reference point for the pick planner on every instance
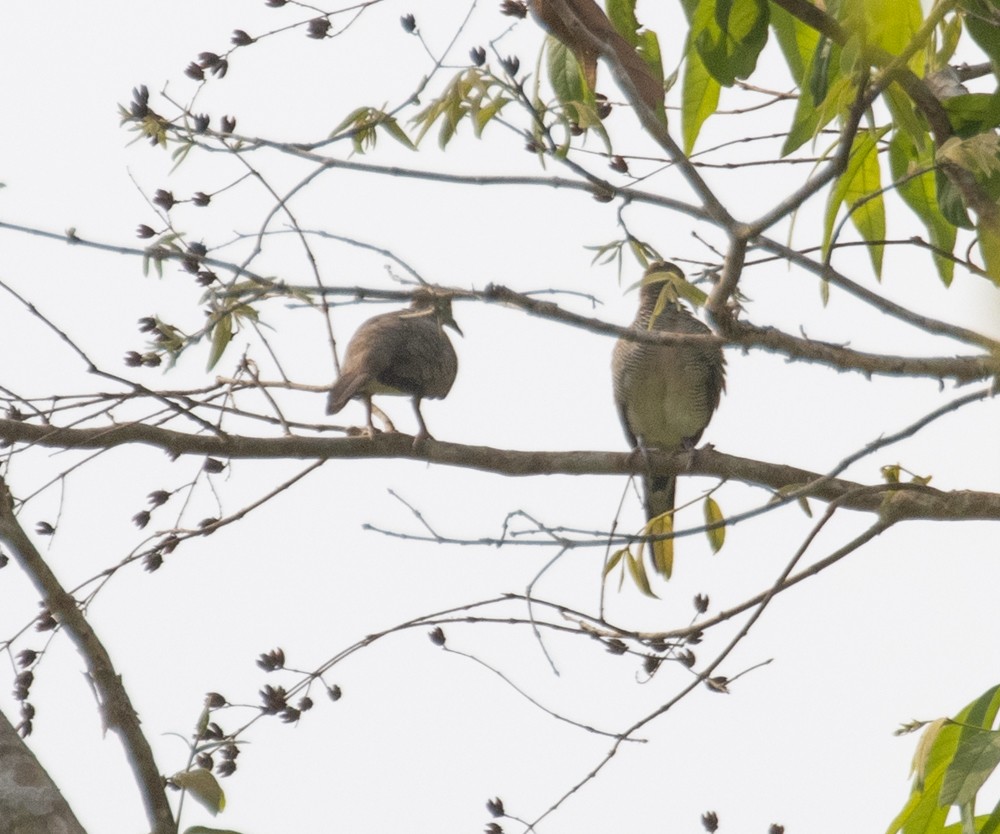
(918, 502)
(115, 704)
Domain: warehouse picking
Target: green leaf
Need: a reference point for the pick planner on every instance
(203, 786)
(729, 35)
(565, 74)
(222, 334)
(391, 126)
(888, 24)
(904, 116)
(950, 35)
(923, 811)
(858, 186)
(990, 824)
(483, 114)
(466, 90)
(713, 515)
(797, 41)
(616, 557)
(989, 248)
(973, 113)
(950, 201)
(980, 20)
(699, 97)
(976, 758)
(648, 47)
(621, 13)
(920, 194)
(826, 56)
(826, 94)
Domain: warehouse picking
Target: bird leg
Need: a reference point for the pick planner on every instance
(640, 452)
(422, 434)
(389, 427)
(689, 447)
(369, 430)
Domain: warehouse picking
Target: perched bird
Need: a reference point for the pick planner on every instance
(405, 352)
(665, 394)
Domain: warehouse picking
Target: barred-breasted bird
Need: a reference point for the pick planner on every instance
(665, 394)
(405, 352)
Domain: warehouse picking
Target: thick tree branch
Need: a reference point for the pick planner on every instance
(909, 503)
(582, 23)
(743, 334)
(959, 368)
(116, 707)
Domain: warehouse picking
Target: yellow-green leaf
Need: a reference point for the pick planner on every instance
(391, 126)
(976, 758)
(565, 74)
(638, 573)
(797, 41)
(920, 194)
(699, 97)
(616, 557)
(825, 94)
(222, 334)
(989, 248)
(889, 24)
(713, 515)
(890, 474)
(203, 786)
(924, 811)
(662, 550)
(858, 186)
(621, 13)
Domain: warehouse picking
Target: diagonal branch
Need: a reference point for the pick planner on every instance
(116, 706)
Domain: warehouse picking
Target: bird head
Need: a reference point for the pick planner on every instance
(664, 283)
(426, 302)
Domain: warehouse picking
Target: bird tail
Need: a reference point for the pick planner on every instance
(344, 389)
(659, 495)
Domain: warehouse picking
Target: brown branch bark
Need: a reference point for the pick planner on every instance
(116, 707)
(909, 503)
(744, 334)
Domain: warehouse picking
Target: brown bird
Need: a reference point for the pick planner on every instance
(665, 394)
(405, 353)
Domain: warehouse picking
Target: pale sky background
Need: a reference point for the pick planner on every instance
(902, 629)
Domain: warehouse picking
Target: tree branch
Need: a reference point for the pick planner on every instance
(909, 503)
(115, 705)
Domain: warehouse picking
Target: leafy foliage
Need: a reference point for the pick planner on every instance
(953, 760)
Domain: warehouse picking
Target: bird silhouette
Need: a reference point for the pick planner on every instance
(665, 394)
(403, 353)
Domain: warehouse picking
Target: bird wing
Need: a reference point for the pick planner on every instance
(420, 360)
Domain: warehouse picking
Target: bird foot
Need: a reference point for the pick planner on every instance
(690, 449)
(639, 454)
(363, 431)
(420, 438)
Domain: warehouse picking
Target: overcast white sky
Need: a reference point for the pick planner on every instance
(903, 629)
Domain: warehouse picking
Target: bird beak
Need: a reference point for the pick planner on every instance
(450, 322)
